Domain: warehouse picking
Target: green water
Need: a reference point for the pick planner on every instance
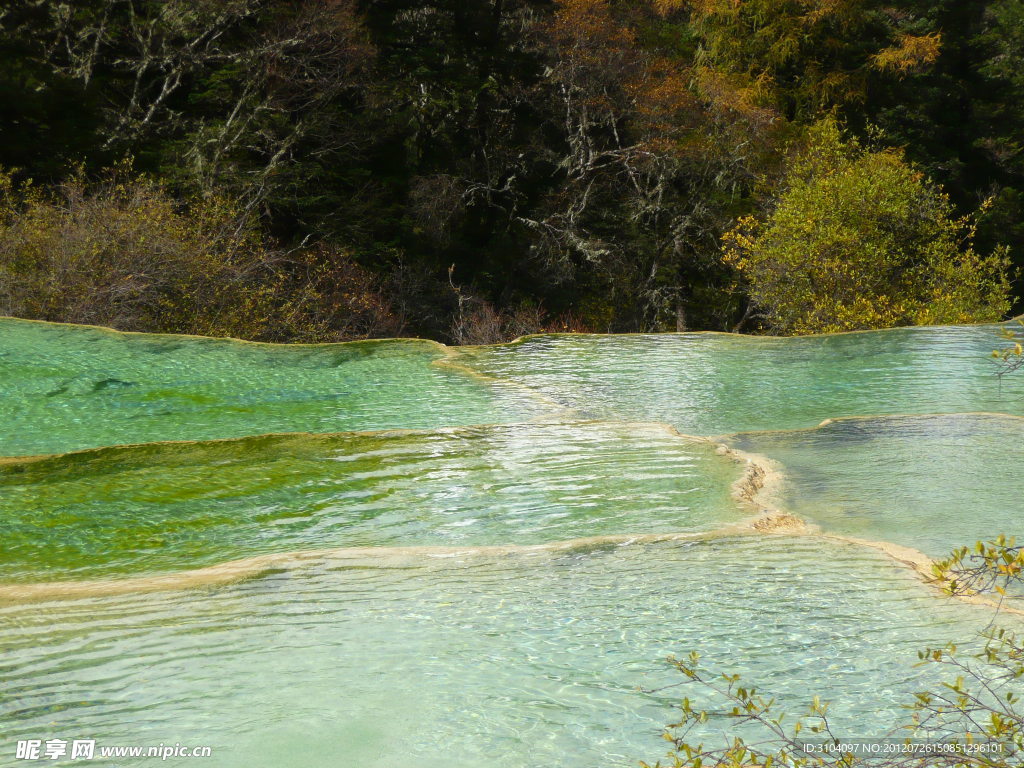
(929, 482)
(707, 384)
(517, 661)
(140, 509)
(446, 640)
(66, 388)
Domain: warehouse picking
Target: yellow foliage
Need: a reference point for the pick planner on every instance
(862, 240)
(914, 52)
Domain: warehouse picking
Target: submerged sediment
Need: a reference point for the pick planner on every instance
(744, 494)
(757, 489)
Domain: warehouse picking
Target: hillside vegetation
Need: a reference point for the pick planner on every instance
(334, 169)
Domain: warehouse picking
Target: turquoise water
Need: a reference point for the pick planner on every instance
(519, 661)
(408, 614)
(66, 388)
(709, 384)
(141, 509)
(929, 482)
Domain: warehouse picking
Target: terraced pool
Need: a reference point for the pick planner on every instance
(394, 552)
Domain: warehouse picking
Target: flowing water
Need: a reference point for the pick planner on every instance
(710, 383)
(522, 660)
(929, 482)
(496, 574)
(66, 388)
(166, 506)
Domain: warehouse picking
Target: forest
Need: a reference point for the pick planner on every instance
(329, 170)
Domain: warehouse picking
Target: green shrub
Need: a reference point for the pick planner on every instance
(861, 239)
